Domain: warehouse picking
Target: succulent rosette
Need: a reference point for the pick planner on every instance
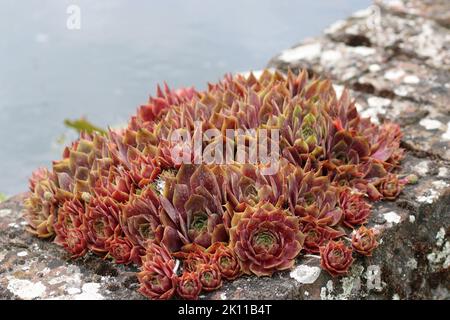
(247, 185)
(100, 223)
(364, 241)
(210, 276)
(157, 277)
(386, 145)
(266, 239)
(192, 208)
(336, 258)
(123, 251)
(193, 255)
(317, 235)
(226, 260)
(390, 186)
(304, 129)
(69, 228)
(347, 147)
(189, 285)
(313, 198)
(355, 209)
(139, 219)
(41, 206)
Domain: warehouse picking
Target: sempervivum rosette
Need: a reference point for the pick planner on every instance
(312, 197)
(226, 260)
(364, 240)
(210, 276)
(356, 210)
(189, 285)
(317, 235)
(100, 223)
(192, 208)
(391, 186)
(139, 218)
(193, 255)
(41, 206)
(69, 228)
(336, 258)
(157, 277)
(122, 250)
(266, 239)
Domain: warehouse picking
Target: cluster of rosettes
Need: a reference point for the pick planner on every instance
(191, 226)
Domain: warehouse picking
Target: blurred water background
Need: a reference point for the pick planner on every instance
(108, 67)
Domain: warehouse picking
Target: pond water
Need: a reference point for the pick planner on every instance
(109, 66)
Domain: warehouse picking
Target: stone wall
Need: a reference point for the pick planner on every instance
(395, 58)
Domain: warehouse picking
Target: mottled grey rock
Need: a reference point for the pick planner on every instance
(438, 10)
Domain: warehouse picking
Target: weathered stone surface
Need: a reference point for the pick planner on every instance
(438, 10)
(395, 58)
(425, 128)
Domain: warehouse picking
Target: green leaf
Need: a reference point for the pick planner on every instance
(83, 125)
(3, 197)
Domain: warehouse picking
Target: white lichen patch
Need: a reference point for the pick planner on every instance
(392, 217)
(73, 291)
(305, 274)
(66, 277)
(412, 218)
(430, 124)
(330, 56)
(394, 74)
(362, 51)
(439, 184)
(374, 67)
(306, 51)
(395, 297)
(373, 278)
(443, 172)
(440, 237)
(440, 257)
(378, 102)
(26, 289)
(446, 135)
(22, 254)
(89, 292)
(412, 264)
(422, 167)
(223, 296)
(376, 106)
(428, 196)
(5, 213)
(351, 285)
(402, 91)
(411, 79)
